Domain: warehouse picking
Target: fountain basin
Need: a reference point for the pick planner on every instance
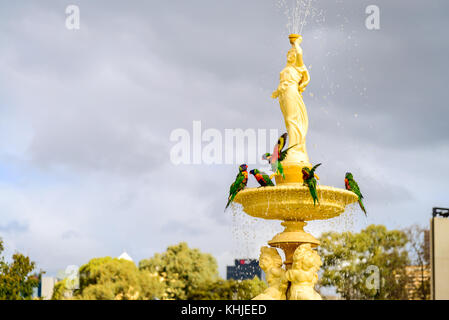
(292, 202)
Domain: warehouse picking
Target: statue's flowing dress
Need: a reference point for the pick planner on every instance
(294, 110)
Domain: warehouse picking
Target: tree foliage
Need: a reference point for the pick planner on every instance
(419, 248)
(178, 273)
(16, 279)
(60, 291)
(185, 270)
(229, 290)
(366, 265)
(116, 279)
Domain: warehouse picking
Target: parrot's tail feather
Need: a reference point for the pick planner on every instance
(315, 199)
(230, 199)
(362, 207)
(281, 171)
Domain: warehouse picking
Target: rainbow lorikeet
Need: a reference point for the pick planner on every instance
(275, 158)
(351, 185)
(261, 177)
(239, 184)
(309, 177)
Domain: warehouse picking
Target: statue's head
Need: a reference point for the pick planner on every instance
(305, 258)
(269, 257)
(311, 261)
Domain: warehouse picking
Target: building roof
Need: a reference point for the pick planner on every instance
(125, 256)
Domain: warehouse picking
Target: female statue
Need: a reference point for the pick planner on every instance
(293, 81)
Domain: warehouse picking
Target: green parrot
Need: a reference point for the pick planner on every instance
(351, 185)
(309, 177)
(239, 184)
(261, 177)
(278, 155)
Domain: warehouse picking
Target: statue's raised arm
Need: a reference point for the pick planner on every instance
(296, 44)
(305, 79)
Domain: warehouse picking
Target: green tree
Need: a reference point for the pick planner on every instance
(366, 265)
(111, 278)
(185, 270)
(229, 290)
(60, 291)
(16, 279)
(418, 243)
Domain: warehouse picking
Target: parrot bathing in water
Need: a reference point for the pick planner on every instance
(351, 185)
(239, 184)
(277, 156)
(309, 178)
(261, 177)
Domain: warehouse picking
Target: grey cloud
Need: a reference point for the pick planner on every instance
(69, 234)
(13, 227)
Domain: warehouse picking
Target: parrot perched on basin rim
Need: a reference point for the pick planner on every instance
(278, 155)
(352, 185)
(261, 177)
(309, 178)
(239, 184)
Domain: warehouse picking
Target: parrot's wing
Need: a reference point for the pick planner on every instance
(313, 182)
(314, 167)
(281, 141)
(355, 188)
(236, 185)
(284, 153)
(233, 188)
(265, 176)
(240, 179)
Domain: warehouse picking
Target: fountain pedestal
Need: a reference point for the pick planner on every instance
(293, 236)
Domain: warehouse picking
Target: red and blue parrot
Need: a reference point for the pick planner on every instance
(261, 177)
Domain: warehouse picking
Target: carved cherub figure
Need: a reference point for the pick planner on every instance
(271, 263)
(303, 274)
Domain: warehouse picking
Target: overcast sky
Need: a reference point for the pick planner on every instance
(86, 116)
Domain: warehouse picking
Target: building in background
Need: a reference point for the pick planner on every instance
(419, 277)
(125, 256)
(244, 269)
(45, 288)
(439, 254)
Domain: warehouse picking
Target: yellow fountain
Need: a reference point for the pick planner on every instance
(289, 200)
